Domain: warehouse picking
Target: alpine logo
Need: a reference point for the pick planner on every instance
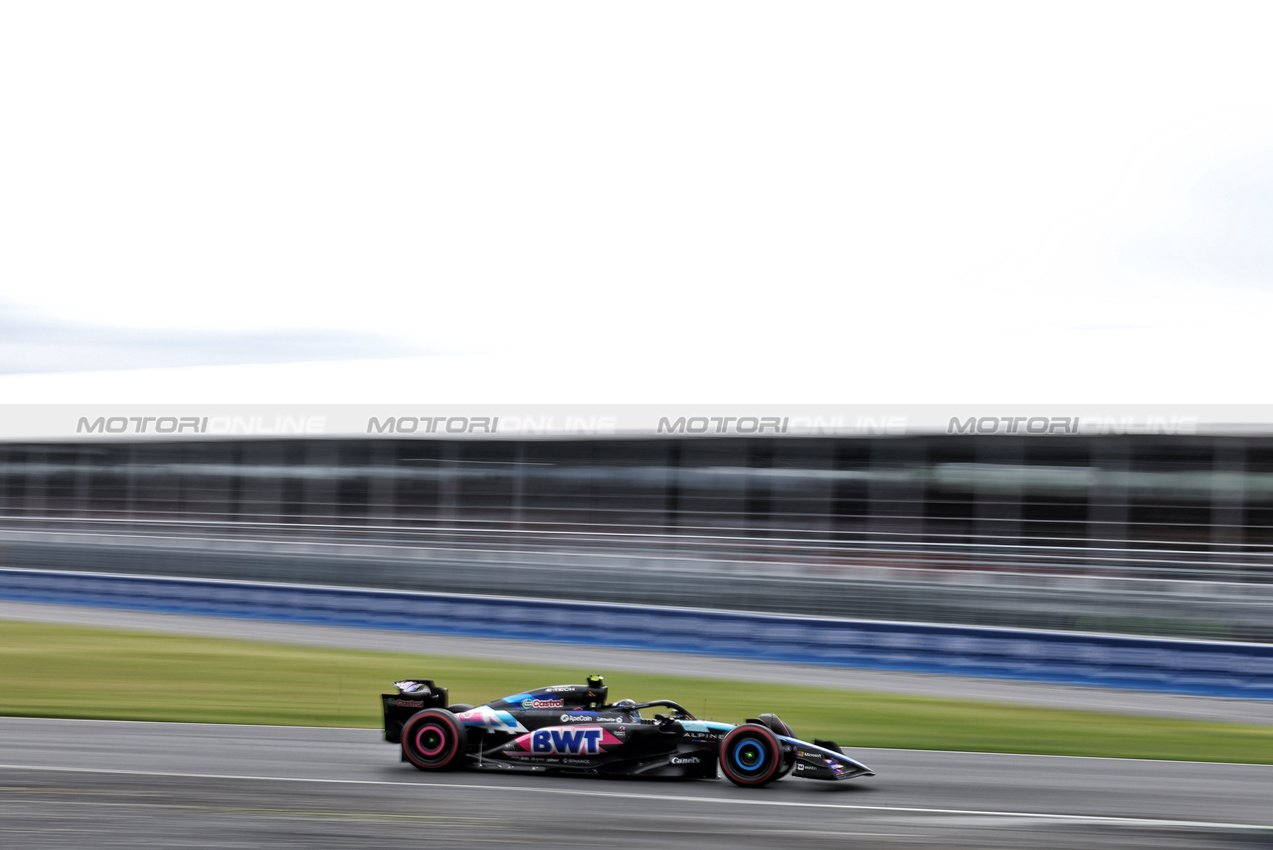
(542, 703)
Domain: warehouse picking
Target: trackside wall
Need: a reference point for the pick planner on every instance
(1192, 667)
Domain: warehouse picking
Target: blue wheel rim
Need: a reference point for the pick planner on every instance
(748, 755)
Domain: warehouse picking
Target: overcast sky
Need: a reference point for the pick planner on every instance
(824, 187)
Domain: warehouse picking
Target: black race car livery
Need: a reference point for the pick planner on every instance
(572, 729)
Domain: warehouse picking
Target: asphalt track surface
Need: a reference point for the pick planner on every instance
(82, 783)
(607, 660)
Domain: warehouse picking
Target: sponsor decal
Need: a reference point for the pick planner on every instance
(407, 703)
(572, 741)
(704, 726)
(542, 703)
(488, 718)
(563, 741)
(685, 760)
(587, 717)
(560, 689)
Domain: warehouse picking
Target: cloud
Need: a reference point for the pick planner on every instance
(839, 180)
(32, 343)
(1221, 233)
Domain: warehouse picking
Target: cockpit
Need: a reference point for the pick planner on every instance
(633, 708)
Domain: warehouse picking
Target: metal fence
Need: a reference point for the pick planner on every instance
(1161, 535)
(986, 582)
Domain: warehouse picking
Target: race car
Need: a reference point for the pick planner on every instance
(571, 729)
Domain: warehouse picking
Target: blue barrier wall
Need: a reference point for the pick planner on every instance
(1205, 668)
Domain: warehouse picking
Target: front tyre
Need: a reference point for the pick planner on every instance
(780, 727)
(751, 756)
(777, 724)
(433, 739)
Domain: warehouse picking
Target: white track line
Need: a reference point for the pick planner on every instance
(627, 795)
(847, 750)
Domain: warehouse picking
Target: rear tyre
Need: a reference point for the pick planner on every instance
(751, 756)
(433, 739)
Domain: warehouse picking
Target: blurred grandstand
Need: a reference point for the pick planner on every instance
(1156, 535)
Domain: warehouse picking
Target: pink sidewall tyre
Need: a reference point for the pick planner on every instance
(433, 739)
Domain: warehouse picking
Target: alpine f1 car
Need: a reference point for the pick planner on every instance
(571, 729)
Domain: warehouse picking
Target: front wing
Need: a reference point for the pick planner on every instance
(817, 762)
(813, 761)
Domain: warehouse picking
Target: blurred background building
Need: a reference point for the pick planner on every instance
(1143, 534)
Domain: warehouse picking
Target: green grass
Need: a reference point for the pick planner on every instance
(68, 671)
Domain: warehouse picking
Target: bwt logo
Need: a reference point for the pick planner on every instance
(566, 742)
(433, 425)
(723, 425)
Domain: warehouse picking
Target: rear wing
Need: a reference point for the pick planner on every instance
(412, 695)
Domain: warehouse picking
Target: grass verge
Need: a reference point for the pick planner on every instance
(68, 671)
